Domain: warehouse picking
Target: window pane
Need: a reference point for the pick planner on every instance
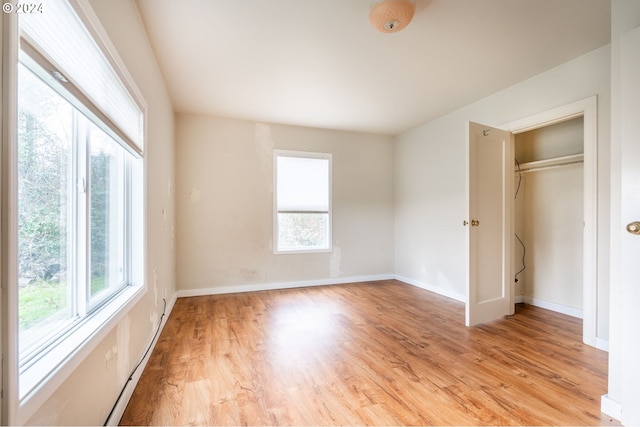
(303, 184)
(44, 211)
(302, 231)
(107, 213)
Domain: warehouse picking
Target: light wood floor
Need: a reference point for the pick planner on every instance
(377, 353)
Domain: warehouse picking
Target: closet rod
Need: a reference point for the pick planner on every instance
(549, 163)
(540, 168)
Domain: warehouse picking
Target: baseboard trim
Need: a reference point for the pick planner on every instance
(602, 344)
(599, 343)
(559, 308)
(183, 293)
(610, 407)
(437, 290)
(118, 410)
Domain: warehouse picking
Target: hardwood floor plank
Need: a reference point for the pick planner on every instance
(374, 353)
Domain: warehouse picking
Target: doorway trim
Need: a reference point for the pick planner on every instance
(588, 109)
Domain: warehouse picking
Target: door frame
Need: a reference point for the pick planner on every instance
(588, 109)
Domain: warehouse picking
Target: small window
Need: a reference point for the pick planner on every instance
(302, 202)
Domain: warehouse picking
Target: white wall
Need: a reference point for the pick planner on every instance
(87, 396)
(430, 174)
(225, 205)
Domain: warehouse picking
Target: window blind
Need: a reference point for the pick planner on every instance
(61, 38)
(302, 184)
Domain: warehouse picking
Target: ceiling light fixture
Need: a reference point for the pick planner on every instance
(390, 16)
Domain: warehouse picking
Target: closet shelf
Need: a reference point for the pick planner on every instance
(550, 163)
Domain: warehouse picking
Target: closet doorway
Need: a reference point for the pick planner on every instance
(548, 217)
(578, 168)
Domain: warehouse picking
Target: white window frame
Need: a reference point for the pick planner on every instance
(302, 155)
(24, 394)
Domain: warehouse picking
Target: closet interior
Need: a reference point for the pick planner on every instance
(549, 216)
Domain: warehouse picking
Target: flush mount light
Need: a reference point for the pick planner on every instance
(390, 16)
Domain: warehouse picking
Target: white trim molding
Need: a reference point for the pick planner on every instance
(435, 289)
(558, 308)
(184, 293)
(9, 242)
(610, 407)
(602, 344)
(254, 287)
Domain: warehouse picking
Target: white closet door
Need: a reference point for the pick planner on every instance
(489, 224)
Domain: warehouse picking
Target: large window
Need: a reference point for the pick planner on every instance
(72, 203)
(79, 180)
(302, 202)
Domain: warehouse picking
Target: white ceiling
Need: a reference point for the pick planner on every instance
(319, 63)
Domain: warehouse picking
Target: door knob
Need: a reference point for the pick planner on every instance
(475, 223)
(634, 227)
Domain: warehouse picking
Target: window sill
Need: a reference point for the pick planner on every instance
(303, 251)
(38, 382)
